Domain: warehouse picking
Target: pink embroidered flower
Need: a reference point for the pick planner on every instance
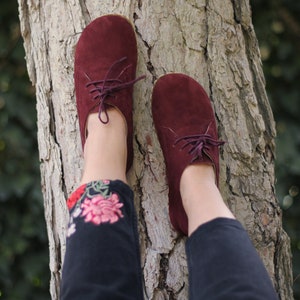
(100, 209)
(105, 181)
(76, 196)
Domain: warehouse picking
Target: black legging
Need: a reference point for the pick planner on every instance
(102, 258)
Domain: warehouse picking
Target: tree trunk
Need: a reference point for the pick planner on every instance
(212, 41)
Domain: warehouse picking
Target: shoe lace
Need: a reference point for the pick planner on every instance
(101, 89)
(199, 144)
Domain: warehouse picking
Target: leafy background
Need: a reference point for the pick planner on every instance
(23, 239)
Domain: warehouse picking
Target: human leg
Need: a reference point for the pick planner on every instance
(201, 197)
(102, 259)
(105, 151)
(222, 262)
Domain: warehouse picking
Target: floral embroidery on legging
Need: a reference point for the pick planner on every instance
(95, 203)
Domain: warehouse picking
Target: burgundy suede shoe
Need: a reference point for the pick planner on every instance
(187, 132)
(104, 72)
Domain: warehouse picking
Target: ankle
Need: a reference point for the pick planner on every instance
(201, 197)
(199, 173)
(195, 178)
(116, 123)
(105, 151)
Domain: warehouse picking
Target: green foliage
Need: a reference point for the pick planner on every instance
(277, 27)
(24, 271)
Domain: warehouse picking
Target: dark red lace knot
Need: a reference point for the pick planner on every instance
(199, 144)
(108, 87)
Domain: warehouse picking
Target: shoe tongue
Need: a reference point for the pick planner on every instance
(195, 129)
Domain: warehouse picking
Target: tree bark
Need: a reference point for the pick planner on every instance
(210, 40)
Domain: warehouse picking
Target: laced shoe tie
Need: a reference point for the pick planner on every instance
(101, 89)
(199, 144)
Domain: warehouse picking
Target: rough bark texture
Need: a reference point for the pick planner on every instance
(210, 40)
